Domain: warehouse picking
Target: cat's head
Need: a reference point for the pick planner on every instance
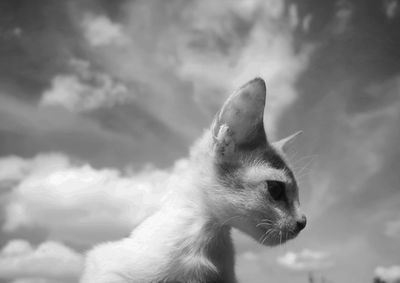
(256, 190)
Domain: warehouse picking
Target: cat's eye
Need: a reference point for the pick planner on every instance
(276, 190)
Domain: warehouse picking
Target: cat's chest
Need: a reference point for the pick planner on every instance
(212, 262)
(189, 250)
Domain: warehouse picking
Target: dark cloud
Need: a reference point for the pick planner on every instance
(28, 130)
(36, 40)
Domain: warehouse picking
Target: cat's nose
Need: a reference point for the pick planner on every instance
(301, 223)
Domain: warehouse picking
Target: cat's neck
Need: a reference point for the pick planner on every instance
(205, 247)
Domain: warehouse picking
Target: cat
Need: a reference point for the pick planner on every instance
(236, 178)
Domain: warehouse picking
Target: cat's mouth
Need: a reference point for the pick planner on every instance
(266, 232)
(272, 235)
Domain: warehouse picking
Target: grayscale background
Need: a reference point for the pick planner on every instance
(100, 99)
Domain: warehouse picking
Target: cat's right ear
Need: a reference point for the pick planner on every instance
(239, 124)
(285, 143)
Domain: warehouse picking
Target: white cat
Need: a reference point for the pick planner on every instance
(236, 179)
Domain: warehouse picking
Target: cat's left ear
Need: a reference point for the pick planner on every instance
(239, 124)
(285, 143)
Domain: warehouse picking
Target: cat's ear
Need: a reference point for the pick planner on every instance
(285, 143)
(239, 123)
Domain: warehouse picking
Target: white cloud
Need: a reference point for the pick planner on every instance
(14, 168)
(189, 61)
(388, 274)
(16, 248)
(79, 203)
(85, 89)
(11, 168)
(305, 260)
(99, 30)
(343, 17)
(267, 51)
(391, 8)
(49, 260)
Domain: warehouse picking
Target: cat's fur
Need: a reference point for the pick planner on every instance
(188, 240)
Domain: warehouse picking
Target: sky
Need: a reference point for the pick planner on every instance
(100, 102)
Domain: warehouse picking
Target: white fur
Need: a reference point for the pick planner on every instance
(168, 246)
(148, 254)
(258, 173)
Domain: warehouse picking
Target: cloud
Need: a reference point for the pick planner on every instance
(354, 162)
(107, 137)
(85, 89)
(49, 260)
(15, 168)
(265, 50)
(391, 8)
(189, 57)
(16, 248)
(77, 202)
(388, 274)
(99, 30)
(305, 260)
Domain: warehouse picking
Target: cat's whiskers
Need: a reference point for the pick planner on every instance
(260, 224)
(272, 234)
(262, 236)
(267, 220)
(267, 234)
(265, 238)
(310, 158)
(261, 240)
(303, 170)
(229, 219)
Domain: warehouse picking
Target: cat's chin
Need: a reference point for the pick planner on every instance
(267, 235)
(280, 239)
(274, 236)
(270, 235)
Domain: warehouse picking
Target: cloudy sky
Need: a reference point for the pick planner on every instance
(101, 100)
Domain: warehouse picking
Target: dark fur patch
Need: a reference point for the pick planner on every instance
(227, 172)
(274, 159)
